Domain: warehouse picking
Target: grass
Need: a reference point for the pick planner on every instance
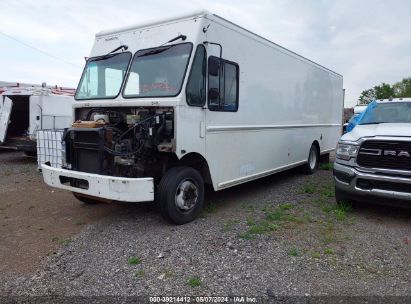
(247, 207)
(168, 273)
(293, 252)
(61, 241)
(194, 282)
(139, 274)
(276, 215)
(211, 208)
(79, 223)
(309, 188)
(274, 218)
(228, 225)
(341, 211)
(316, 255)
(328, 191)
(134, 261)
(328, 233)
(325, 166)
(328, 251)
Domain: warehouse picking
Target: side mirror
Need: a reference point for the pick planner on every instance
(213, 66)
(213, 94)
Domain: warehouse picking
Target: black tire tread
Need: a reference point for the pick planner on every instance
(163, 189)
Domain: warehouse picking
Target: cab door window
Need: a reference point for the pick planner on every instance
(223, 79)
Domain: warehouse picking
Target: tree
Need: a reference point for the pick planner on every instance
(385, 91)
(403, 88)
(367, 96)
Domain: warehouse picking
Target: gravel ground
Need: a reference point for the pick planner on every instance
(282, 235)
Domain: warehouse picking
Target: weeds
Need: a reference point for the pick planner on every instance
(61, 241)
(328, 251)
(168, 273)
(309, 188)
(139, 274)
(328, 191)
(194, 282)
(211, 208)
(134, 261)
(341, 211)
(79, 222)
(247, 207)
(228, 225)
(293, 252)
(326, 166)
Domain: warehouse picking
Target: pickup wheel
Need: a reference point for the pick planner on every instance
(85, 199)
(312, 161)
(180, 195)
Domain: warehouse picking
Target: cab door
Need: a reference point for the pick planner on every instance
(5, 112)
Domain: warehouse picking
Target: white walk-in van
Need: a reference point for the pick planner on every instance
(27, 108)
(165, 107)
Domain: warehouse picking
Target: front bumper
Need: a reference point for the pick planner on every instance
(102, 186)
(364, 185)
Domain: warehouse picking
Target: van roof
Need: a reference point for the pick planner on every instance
(405, 99)
(204, 13)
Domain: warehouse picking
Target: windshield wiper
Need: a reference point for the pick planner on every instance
(161, 49)
(373, 123)
(155, 51)
(110, 54)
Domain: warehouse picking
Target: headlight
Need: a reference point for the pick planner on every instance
(346, 151)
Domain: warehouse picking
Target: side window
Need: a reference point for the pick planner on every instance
(222, 85)
(195, 91)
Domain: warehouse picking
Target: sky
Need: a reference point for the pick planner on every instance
(367, 41)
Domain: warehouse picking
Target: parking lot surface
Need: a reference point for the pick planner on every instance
(281, 235)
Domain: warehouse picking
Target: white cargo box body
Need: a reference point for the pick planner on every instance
(26, 110)
(286, 102)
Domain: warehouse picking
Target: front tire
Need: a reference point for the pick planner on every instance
(180, 195)
(312, 161)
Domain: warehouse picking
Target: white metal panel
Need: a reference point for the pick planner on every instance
(108, 187)
(286, 101)
(5, 117)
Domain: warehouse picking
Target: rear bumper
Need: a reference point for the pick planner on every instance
(102, 186)
(366, 186)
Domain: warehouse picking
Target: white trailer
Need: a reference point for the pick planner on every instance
(27, 108)
(168, 106)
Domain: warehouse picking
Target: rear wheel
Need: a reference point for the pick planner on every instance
(180, 195)
(89, 200)
(312, 161)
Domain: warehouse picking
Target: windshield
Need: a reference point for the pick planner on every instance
(158, 72)
(102, 77)
(393, 112)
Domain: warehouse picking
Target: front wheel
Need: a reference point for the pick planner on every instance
(180, 195)
(312, 161)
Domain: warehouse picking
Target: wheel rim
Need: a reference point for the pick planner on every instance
(186, 195)
(312, 159)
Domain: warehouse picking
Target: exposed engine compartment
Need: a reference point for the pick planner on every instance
(127, 142)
